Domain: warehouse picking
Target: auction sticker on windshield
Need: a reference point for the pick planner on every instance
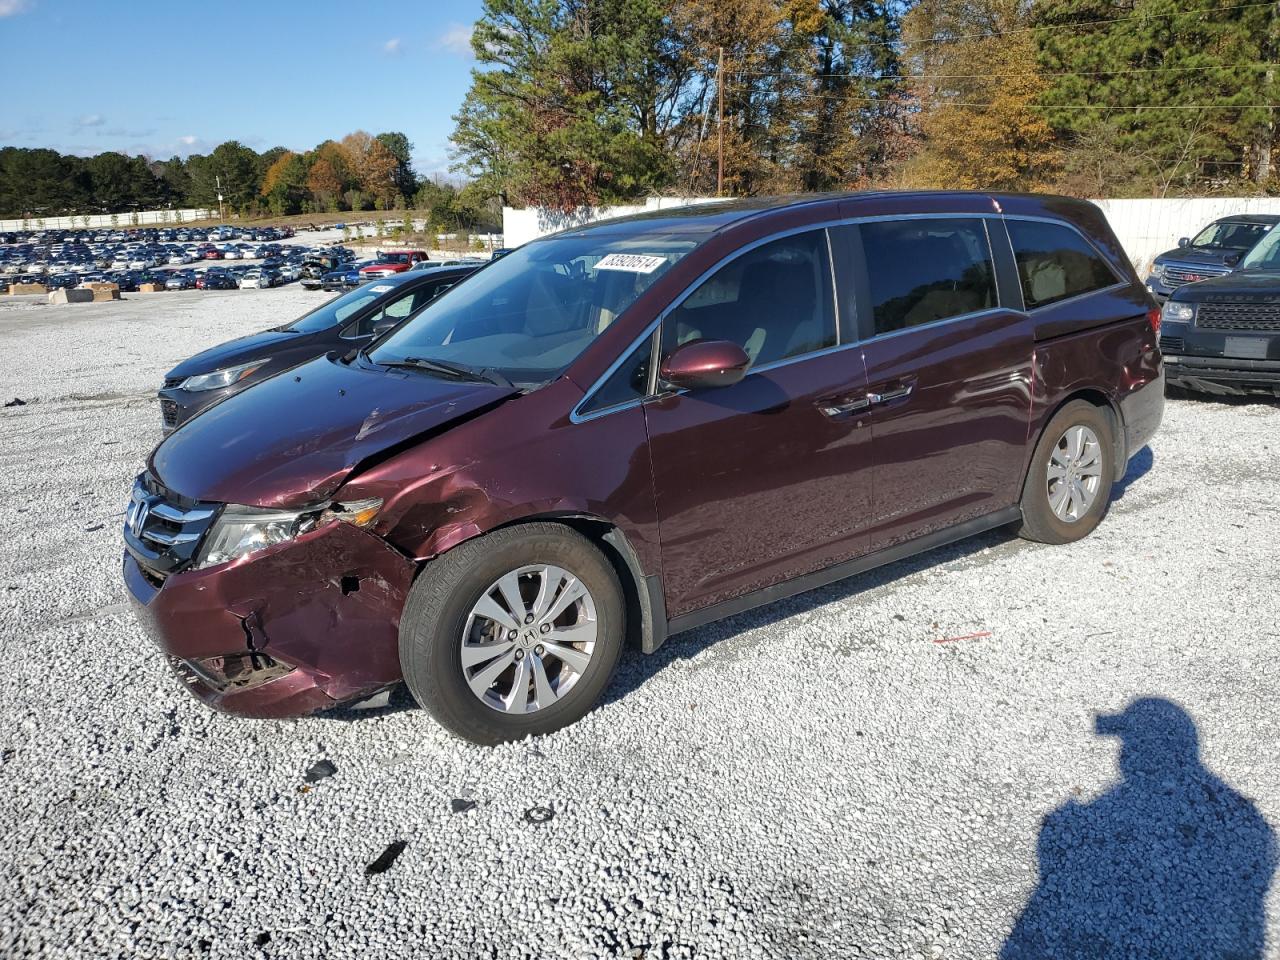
(382, 287)
(630, 262)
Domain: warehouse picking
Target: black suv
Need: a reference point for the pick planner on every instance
(1222, 336)
(1213, 252)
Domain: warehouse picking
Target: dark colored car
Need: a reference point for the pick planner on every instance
(344, 278)
(1213, 252)
(1222, 336)
(636, 427)
(216, 281)
(342, 324)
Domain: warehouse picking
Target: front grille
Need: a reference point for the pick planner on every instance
(1172, 344)
(171, 382)
(1217, 315)
(1175, 276)
(169, 412)
(163, 530)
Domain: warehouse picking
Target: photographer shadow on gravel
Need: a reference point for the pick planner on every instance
(1170, 862)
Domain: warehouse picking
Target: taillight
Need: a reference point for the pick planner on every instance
(1153, 318)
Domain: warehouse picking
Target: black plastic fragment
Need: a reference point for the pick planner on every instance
(538, 815)
(262, 939)
(15, 402)
(461, 806)
(94, 529)
(386, 858)
(319, 771)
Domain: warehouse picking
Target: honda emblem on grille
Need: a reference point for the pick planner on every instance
(138, 513)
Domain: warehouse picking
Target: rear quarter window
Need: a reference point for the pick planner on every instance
(1056, 263)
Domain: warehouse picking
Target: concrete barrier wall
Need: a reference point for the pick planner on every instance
(1145, 227)
(121, 221)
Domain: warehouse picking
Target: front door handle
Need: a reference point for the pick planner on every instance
(844, 407)
(888, 396)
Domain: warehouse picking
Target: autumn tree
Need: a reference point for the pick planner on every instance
(979, 86)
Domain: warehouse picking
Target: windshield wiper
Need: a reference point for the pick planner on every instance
(459, 371)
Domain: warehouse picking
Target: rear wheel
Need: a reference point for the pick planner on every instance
(1069, 484)
(514, 633)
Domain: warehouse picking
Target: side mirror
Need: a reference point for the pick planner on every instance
(382, 326)
(1184, 241)
(705, 363)
(1231, 259)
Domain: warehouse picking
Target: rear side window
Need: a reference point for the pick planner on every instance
(774, 301)
(1056, 263)
(923, 271)
(396, 310)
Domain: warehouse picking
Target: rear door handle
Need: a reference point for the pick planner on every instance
(888, 396)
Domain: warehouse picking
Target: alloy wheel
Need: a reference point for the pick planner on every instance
(529, 639)
(1074, 474)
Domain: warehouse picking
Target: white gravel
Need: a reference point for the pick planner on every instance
(815, 779)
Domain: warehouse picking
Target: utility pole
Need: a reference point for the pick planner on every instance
(217, 178)
(720, 123)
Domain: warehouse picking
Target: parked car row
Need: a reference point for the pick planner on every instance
(624, 431)
(1221, 313)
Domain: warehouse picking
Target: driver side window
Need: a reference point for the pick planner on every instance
(775, 302)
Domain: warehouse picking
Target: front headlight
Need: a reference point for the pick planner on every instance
(222, 378)
(1157, 271)
(1178, 312)
(240, 531)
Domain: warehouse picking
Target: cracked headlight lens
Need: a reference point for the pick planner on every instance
(222, 378)
(240, 531)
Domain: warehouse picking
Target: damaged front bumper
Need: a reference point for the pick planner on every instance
(296, 628)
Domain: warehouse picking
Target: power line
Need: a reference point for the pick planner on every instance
(903, 78)
(946, 101)
(1075, 25)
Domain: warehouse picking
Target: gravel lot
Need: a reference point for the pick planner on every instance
(820, 778)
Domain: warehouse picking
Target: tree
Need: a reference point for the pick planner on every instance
(979, 90)
(284, 184)
(564, 110)
(1105, 77)
(402, 150)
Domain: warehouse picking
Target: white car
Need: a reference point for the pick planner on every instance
(230, 253)
(179, 258)
(254, 280)
(139, 263)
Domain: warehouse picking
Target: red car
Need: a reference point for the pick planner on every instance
(392, 261)
(211, 253)
(637, 427)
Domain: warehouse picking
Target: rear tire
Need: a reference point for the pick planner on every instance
(533, 670)
(1068, 486)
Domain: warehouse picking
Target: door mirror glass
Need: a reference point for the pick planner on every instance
(1231, 259)
(1184, 241)
(700, 364)
(382, 326)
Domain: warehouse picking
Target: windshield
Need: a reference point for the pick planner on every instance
(531, 313)
(1230, 235)
(336, 311)
(1265, 256)
(393, 258)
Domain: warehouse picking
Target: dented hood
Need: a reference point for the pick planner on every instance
(292, 440)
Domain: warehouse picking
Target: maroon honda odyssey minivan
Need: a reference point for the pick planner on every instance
(632, 428)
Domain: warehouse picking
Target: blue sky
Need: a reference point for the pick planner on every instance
(165, 78)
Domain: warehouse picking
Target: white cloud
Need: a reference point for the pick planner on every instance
(457, 39)
(188, 140)
(88, 120)
(10, 8)
(392, 46)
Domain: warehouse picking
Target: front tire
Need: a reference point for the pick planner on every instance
(514, 633)
(1068, 486)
